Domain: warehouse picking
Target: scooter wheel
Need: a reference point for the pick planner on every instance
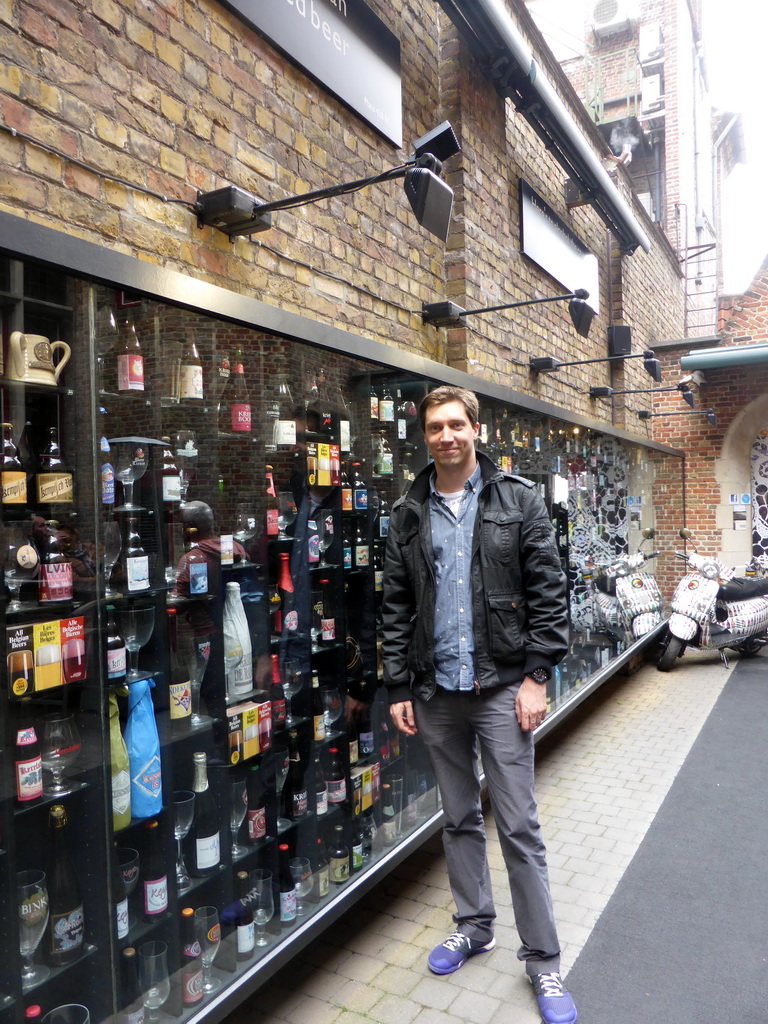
(673, 649)
(750, 647)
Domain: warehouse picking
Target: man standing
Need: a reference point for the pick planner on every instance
(475, 619)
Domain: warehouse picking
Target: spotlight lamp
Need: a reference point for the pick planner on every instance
(449, 314)
(644, 414)
(548, 364)
(597, 391)
(237, 212)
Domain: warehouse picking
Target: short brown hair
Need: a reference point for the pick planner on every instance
(450, 393)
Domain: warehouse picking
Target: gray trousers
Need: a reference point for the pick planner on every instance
(452, 726)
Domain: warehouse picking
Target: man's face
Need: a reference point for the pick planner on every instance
(450, 437)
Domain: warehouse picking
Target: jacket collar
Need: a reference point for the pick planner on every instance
(419, 489)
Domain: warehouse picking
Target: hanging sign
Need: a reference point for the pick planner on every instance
(344, 46)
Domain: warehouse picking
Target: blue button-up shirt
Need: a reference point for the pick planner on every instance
(452, 530)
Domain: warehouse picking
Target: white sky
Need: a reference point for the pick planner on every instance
(735, 34)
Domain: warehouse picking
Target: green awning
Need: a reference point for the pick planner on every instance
(719, 358)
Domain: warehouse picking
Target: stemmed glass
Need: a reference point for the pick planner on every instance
(186, 450)
(286, 513)
(280, 766)
(33, 918)
(245, 523)
(332, 707)
(20, 560)
(60, 749)
(130, 465)
(208, 932)
(303, 879)
(136, 625)
(153, 976)
(237, 812)
(183, 812)
(293, 679)
(202, 657)
(113, 544)
(325, 526)
(262, 900)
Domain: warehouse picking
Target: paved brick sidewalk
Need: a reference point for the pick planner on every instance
(600, 781)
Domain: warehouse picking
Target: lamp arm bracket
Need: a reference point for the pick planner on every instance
(341, 189)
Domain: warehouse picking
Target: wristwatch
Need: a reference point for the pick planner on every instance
(540, 675)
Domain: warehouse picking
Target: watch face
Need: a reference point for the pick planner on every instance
(541, 675)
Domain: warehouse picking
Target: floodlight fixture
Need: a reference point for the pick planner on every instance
(235, 211)
(549, 364)
(449, 314)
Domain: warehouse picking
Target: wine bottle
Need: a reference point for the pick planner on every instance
(14, 477)
(204, 835)
(365, 735)
(119, 769)
(28, 765)
(296, 783)
(321, 870)
(197, 564)
(346, 548)
(66, 929)
(318, 711)
(107, 473)
(154, 877)
(119, 900)
(280, 430)
(116, 654)
(179, 685)
(338, 857)
(378, 570)
(328, 621)
(136, 559)
(53, 480)
(256, 815)
(337, 780)
(388, 823)
(55, 580)
(286, 886)
(346, 489)
(357, 847)
(386, 406)
(321, 789)
(131, 998)
(236, 403)
(246, 938)
(190, 372)
(359, 488)
(270, 498)
(352, 741)
(130, 361)
(191, 963)
(289, 617)
(238, 658)
(374, 403)
(277, 694)
(362, 551)
(170, 479)
(221, 376)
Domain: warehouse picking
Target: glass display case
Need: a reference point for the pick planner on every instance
(198, 761)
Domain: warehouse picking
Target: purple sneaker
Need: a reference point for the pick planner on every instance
(555, 1003)
(452, 954)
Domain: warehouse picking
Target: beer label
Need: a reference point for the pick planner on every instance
(121, 792)
(156, 895)
(278, 711)
(208, 851)
(387, 410)
(401, 430)
(319, 724)
(246, 938)
(67, 930)
(337, 791)
(192, 988)
(121, 914)
(172, 488)
(108, 484)
(240, 418)
(313, 547)
(34, 908)
(227, 542)
(339, 869)
(299, 803)
(347, 556)
(288, 906)
(378, 580)
(362, 555)
(291, 621)
(328, 627)
(27, 557)
(180, 700)
(360, 498)
(149, 779)
(323, 879)
(55, 583)
(137, 572)
(257, 823)
(357, 855)
(272, 526)
(322, 801)
(366, 743)
(116, 663)
(191, 381)
(198, 577)
(53, 487)
(285, 432)
(346, 499)
(130, 373)
(14, 487)
(29, 775)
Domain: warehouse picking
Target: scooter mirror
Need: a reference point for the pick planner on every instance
(685, 533)
(649, 533)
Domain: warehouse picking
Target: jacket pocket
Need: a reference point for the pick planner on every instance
(501, 535)
(504, 612)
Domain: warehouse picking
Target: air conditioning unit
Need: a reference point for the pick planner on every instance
(612, 16)
(652, 96)
(650, 47)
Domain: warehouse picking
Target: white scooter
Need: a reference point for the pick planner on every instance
(633, 599)
(714, 609)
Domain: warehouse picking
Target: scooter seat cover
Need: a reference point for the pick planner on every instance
(682, 626)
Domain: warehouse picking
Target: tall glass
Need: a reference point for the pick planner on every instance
(60, 749)
(113, 544)
(183, 813)
(262, 900)
(208, 930)
(202, 657)
(293, 679)
(32, 893)
(136, 625)
(154, 981)
(237, 811)
(130, 465)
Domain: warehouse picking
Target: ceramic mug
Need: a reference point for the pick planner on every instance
(31, 358)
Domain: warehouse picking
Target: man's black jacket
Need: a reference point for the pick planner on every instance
(519, 589)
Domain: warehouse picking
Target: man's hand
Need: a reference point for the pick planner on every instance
(531, 704)
(402, 716)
